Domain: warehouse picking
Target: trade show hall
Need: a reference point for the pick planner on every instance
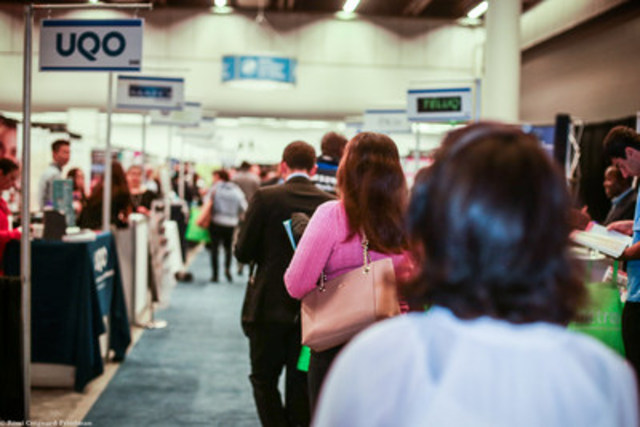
(331, 213)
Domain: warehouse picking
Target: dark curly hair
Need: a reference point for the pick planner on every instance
(490, 220)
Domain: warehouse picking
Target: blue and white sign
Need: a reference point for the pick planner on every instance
(91, 45)
(189, 115)
(440, 105)
(150, 93)
(387, 121)
(258, 68)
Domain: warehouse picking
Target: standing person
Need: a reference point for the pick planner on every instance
(622, 146)
(61, 152)
(121, 206)
(622, 195)
(8, 138)
(228, 205)
(9, 172)
(373, 197)
(496, 271)
(270, 317)
(79, 197)
(332, 147)
(249, 183)
(141, 197)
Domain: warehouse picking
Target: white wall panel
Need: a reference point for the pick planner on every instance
(590, 73)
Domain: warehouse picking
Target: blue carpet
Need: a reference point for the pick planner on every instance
(194, 372)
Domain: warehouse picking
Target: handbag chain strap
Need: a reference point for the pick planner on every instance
(366, 263)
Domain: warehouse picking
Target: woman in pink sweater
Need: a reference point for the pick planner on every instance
(373, 197)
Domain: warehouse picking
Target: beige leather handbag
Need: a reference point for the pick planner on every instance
(340, 308)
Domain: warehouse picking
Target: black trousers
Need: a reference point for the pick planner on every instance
(274, 346)
(220, 234)
(319, 365)
(631, 334)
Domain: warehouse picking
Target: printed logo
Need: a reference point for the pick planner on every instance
(89, 44)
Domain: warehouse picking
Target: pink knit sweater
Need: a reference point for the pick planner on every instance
(324, 245)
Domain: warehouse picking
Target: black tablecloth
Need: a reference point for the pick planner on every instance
(73, 286)
(11, 387)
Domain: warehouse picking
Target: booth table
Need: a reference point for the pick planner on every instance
(73, 285)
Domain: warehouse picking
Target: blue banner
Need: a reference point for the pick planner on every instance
(258, 68)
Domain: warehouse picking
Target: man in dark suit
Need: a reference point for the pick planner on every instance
(270, 317)
(622, 195)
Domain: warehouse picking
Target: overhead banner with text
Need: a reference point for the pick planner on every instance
(258, 70)
(440, 105)
(189, 115)
(150, 93)
(91, 45)
(387, 121)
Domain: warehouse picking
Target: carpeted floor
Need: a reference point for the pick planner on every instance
(194, 372)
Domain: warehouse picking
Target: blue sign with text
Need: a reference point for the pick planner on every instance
(258, 68)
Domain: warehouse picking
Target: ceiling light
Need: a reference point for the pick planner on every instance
(350, 6)
(479, 10)
(94, 1)
(346, 16)
(220, 3)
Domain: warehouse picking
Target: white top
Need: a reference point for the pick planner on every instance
(437, 370)
(229, 204)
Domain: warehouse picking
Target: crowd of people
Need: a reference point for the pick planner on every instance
(480, 250)
(481, 244)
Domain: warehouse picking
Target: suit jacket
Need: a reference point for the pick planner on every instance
(624, 209)
(263, 240)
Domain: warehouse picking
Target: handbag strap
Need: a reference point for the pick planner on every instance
(366, 263)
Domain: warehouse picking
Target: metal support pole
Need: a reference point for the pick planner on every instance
(181, 171)
(144, 142)
(106, 184)
(478, 100)
(167, 197)
(25, 219)
(417, 149)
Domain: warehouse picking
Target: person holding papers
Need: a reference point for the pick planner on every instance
(622, 146)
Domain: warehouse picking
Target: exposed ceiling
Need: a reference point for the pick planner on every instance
(435, 9)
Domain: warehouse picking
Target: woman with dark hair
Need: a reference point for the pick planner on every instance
(489, 221)
(79, 197)
(141, 197)
(229, 203)
(8, 175)
(121, 206)
(373, 197)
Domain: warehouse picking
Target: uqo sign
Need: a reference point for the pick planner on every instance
(91, 45)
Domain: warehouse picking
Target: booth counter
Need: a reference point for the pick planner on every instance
(73, 285)
(133, 255)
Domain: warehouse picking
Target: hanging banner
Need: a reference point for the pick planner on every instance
(258, 69)
(440, 105)
(387, 121)
(150, 93)
(91, 44)
(189, 115)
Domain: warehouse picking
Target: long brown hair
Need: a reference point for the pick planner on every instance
(374, 190)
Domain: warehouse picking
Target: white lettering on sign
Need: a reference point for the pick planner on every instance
(100, 259)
